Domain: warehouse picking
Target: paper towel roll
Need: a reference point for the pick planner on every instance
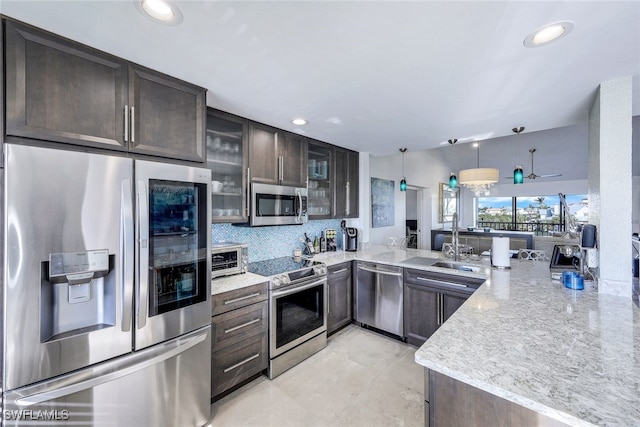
(500, 256)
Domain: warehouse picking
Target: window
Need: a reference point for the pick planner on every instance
(542, 215)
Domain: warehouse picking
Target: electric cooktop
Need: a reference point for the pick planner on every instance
(287, 271)
(272, 267)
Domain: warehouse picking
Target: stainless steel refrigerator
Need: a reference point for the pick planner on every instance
(106, 282)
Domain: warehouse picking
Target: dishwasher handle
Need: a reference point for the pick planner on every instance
(377, 271)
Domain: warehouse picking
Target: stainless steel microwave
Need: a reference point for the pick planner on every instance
(229, 258)
(277, 205)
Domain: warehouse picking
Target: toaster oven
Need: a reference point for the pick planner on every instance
(229, 258)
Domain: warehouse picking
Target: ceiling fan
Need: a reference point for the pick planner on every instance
(533, 175)
(518, 169)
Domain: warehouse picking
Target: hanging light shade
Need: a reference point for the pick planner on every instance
(453, 180)
(403, 185)
(479, 180)
(403, 182)
(518, 175)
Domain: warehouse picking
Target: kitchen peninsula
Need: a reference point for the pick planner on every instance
(569, 357)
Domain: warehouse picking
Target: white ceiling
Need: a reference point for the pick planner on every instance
(373, 75)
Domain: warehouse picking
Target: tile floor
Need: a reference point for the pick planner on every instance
(360, 379)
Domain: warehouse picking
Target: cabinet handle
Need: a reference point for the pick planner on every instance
(133, 124)
(248, 189)
(244, 325)
(280, 168)
(237, 365)
(231, 301)
(347, 209)
(126, 123)
(339, 271)
(440, 282)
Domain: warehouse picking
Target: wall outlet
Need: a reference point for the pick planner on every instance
(592, 258)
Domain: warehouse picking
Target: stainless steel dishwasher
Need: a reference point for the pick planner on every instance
(379, 297)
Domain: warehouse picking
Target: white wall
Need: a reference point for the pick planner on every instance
(610, 183)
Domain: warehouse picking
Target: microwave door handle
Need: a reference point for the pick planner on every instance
(126, 254)
(142, 300)
(299, 213)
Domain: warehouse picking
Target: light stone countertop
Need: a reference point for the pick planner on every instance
(237, 281)
(571, 355)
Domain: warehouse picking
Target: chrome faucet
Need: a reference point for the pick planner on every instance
(455, 236)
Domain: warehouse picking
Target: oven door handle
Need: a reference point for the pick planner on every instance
(293, 289)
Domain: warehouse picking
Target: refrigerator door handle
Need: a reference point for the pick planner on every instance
(152, 357)
(126, 254)
(142, 300)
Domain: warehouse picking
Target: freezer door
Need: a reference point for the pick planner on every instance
(173, 280)
(165, 385)
(68, 269)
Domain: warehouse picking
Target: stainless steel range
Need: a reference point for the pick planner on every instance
(297, 309)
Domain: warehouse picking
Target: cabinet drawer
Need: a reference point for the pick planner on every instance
(237, 325)
(227, 301)
(234, 364)
(340, 270)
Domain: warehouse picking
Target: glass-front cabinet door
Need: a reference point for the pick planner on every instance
(319, 164)
(227, 137)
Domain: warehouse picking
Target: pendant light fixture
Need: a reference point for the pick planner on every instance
(518, 174)
(403, 183)
(479, 180)
(453, 179)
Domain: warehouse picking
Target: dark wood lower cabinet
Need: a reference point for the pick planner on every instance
(339, 283)
(239, 337)
(452, 403)
(430, 298)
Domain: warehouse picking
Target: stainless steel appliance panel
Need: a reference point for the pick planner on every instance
(277, 205)
(60, 202)
(379, 297)
(229, 258)
(297, 313)
(179, 253)
(160, 386)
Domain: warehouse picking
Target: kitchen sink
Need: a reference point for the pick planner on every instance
(455, 266)
(437, 262)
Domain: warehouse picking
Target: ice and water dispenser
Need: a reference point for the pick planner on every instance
(77, 293)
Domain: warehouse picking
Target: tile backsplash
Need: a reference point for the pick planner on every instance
(272, 242)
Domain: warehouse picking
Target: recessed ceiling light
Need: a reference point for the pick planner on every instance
(163, 11)
(548, 34)
(299, 122)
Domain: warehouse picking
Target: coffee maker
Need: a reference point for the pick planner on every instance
(350, 239)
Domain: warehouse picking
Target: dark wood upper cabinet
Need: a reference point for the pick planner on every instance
(59, 90)
(264, 159)
(346, 183)
(167, 116)
(277, 156)
(293, 149)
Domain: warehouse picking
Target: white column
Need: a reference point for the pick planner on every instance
(610, 183)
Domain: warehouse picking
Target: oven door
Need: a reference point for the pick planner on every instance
(296, 314)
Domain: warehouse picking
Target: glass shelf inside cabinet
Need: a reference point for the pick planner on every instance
(225, 158)
(319, 172)
(224, 148)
